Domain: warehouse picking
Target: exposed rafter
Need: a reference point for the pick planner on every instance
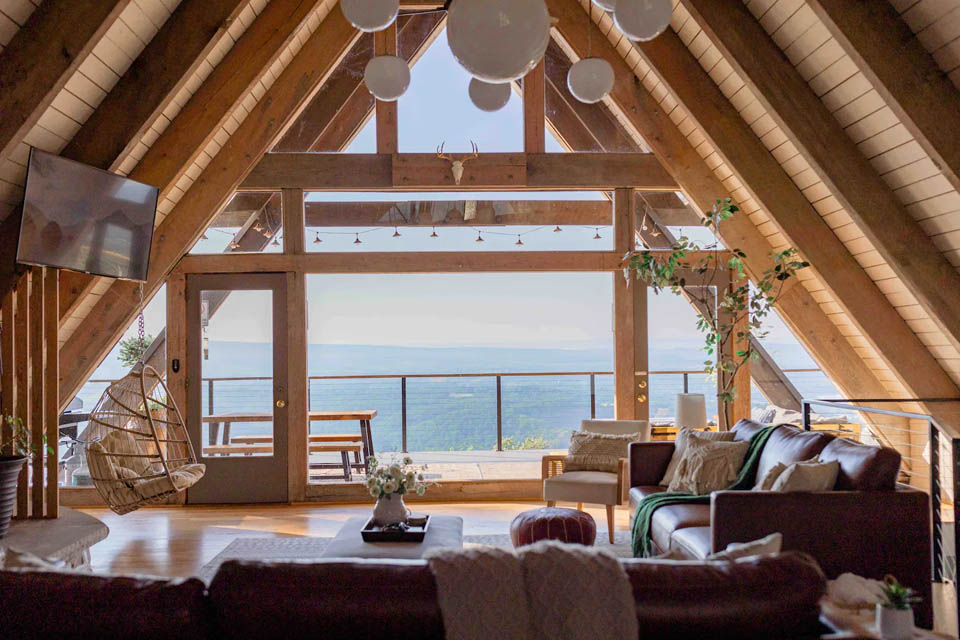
(864, 303)
(906, 76)
(41, 57)
(210, 107)
(797, 307)
(835, 158)
(265, 123)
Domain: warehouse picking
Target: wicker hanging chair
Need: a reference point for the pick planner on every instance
(137, 446)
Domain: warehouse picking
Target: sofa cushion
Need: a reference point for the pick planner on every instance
(670, 518)
(863, 467)
(745, 429)
(592, 487)
(692, 543)
(790, 444)
(639, 493)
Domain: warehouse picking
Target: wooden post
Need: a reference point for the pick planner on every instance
(385, 44)
(631, 382)
(293, 221)
(38, 412)
(298, 423)
(534, 118)
(22, 374)
(176, 341)
(8, 381)
(740, 407)
(51, 385)
(741, 381)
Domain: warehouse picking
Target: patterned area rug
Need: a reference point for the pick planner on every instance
(303, 548)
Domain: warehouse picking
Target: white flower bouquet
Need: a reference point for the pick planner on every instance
(396, 478)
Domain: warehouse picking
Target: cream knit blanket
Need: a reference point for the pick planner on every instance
(545, 591)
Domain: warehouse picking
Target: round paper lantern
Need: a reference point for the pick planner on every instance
(607, 5)
(498, 40)
(642, 19)
(489, 97)
(387, 77)
(590, 80)
(370, 15)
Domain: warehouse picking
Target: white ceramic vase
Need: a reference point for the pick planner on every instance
(390, 509)
(894, 624)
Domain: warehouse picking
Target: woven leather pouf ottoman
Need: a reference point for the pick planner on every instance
(553, 523)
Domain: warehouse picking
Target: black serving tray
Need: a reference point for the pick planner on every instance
(374, 533)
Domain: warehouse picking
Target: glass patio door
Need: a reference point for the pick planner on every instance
(237, 387)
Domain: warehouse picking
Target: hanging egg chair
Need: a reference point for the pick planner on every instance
(137, 446)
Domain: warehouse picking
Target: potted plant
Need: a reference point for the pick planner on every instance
(21, 449)
(895, 610)
(388, 484)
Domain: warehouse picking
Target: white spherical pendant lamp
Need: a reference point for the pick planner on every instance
(498, 40)
(590, 80)
(642, 19)
(489, 97)
(370, 15)
(387, 77)
(606, 5)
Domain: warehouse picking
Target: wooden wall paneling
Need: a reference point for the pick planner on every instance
(834, 156)
(267, 121)
(151, 82)
(37, 424)
(204, 115)
(385, 44)
(51, 387)
(297, 471)
(903, 73)
(534, 124)
(767, 183)
(22, 373)
(41, 57)
(8, 381)
(638, 108)
(294, 233)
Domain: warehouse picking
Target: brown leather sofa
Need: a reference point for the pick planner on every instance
(761, 597)
(869, 525)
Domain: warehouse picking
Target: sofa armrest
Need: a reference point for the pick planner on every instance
(551, 466)
(869, 534)
(649, 461)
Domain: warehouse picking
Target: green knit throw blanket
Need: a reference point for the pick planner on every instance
(746, 478)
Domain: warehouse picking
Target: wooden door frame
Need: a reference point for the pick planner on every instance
(277, 283)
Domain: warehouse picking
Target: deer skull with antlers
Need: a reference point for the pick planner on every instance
(456, 166)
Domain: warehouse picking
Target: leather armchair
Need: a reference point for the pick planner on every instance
(592, 487)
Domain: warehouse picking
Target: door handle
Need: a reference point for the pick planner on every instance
(281, 403)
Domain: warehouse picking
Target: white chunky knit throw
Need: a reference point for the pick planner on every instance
(545, 591)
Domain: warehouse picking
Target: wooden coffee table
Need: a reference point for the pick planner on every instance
(444, 531)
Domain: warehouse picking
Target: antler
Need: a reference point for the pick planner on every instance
(441, 154)
(476, 152)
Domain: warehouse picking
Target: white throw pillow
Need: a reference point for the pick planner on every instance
(681, 445)
(809, 475)
(769, 544)
(766, 482)
(16, 559)
(708, 465)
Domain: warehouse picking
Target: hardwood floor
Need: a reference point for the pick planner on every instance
(177, 541)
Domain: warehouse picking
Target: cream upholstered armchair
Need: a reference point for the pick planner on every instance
(592, 487)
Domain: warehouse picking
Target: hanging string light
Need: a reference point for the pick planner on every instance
(597, 234)
(317, 240)
(396, 232)
(519, 242)
(479, 237)
(234, 244)
(276, 242)
(203, 236)
(258, 227)
(358, 240)
(268, 234)
(434, 234)
(557, 229)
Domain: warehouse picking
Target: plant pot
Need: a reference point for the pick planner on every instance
(390, 509)
(9, 474)
(894, 624)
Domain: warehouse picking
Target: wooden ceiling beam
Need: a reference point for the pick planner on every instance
(206, 111)
(40, 58)
(835, 158)
(801, 224)
(267, 121)
(908, 79)
(800, 311)
(151, 82)
(427, 172)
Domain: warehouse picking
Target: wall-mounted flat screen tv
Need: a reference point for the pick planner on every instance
(85, 219)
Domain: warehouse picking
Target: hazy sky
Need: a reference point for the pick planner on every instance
(536, 310)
